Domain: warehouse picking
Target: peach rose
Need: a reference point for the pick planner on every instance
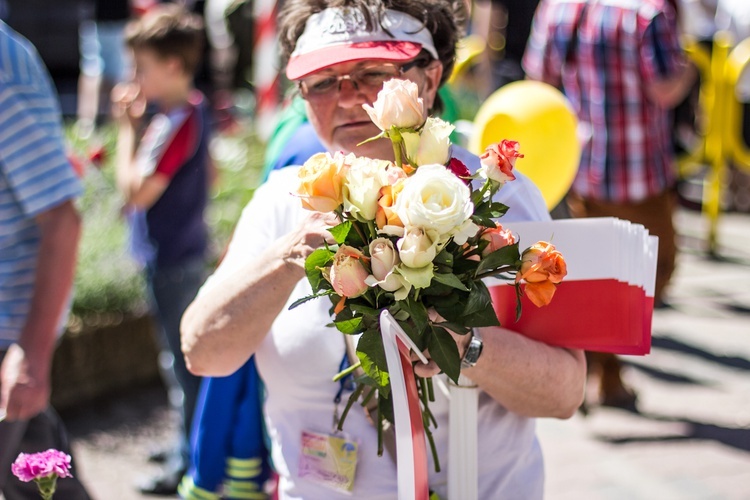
(542, 267)
(385, 214)
(497, 238)
(498, 161)
(321, 182)
(348, 272)
(398, 105)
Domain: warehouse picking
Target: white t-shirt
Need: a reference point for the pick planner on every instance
(300, 355)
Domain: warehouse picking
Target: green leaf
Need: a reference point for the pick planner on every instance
(417, 313)
(313, 265)
(444, 258)
(444, 351)
(350, 326)
(455, 327)
(450, 280)
(341, 231)
(505, 256)
(301, 301)
(372, 355)
(478, 309)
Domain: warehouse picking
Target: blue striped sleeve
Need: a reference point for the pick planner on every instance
(32, 151)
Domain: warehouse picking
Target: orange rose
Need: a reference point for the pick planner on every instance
(321, 182)
(498, 238)
(542, 267)
(385, 216)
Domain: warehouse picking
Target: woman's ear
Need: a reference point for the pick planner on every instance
(433, 73)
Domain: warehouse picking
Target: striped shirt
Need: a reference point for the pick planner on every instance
(35, 175)
(604, 53)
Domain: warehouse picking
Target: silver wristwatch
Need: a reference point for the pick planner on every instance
(473, 351)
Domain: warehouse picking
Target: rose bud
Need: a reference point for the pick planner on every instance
(498, 238)
(398, 105)
(432, 144)
(383, 261)
(418, 247)
(460, 170)
(348, 273)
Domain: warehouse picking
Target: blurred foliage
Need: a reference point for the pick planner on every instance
(108, 281)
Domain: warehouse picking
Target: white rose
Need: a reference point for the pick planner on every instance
(432, 145)
(398, 105)
(361, 189)
(434, 198)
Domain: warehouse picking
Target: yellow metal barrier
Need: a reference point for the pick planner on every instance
(721, 131)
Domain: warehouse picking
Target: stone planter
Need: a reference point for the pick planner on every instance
(106, 355)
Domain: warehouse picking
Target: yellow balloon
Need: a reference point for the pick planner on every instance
(542, 120)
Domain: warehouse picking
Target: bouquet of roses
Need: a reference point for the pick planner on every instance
(414, 238)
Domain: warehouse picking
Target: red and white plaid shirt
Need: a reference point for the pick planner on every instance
(603, 53)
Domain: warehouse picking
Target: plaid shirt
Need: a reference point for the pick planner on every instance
(621, 47)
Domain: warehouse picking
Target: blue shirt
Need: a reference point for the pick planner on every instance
(175, 146)
(35, 174)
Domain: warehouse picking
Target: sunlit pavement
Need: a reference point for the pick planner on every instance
(690, 436)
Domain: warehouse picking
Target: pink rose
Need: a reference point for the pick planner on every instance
(498, 161)
(348, 273)
(498, 238)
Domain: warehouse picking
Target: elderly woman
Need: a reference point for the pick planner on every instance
(339, 53)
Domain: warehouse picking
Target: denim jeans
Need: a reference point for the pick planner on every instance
(173, 288)
(40, 433)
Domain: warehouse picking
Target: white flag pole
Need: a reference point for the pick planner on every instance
(463, 481)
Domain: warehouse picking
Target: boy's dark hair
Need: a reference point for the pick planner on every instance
(170, 31)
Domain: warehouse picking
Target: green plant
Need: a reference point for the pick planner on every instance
(108, 281)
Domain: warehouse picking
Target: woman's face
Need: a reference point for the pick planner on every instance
(340, 121)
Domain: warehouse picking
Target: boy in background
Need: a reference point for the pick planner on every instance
(164, 176)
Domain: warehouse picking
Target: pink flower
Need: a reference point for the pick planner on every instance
(348, 273)
(459, 169)
(35, 466)
(498, 161)
(498, 238)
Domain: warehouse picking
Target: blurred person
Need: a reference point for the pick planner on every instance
(507, 31)
(104, 61)
(622, 67)
(39, 232)
(164, 176)
(339, 56)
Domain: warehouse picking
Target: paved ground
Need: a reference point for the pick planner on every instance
(690, 438)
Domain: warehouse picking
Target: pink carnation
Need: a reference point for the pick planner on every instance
(29, 467)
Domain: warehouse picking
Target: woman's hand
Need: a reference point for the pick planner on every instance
(431, 368)
(310, 235)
